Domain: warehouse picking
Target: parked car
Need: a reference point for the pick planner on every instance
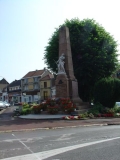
(2, 105)
(7, 104)
(18, 104)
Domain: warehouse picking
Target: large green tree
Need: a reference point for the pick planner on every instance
(94, 53)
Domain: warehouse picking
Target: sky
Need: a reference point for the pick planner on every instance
(27, 25)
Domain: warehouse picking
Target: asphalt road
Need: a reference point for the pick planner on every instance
(82, 143)
(7, 114)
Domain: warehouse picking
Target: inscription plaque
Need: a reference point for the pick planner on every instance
(60, 82)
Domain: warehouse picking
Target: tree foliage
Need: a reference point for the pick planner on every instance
(94, 53)
(107, 92)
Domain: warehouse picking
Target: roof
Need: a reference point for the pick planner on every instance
(34, 73)
(47, 77)
(15, 83)
(3, 81)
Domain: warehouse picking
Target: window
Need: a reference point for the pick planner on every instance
(35, 79)
(26, 80)
(29, 98)
(26, 88)
(36, 86)
(45, 84)
(17, 87)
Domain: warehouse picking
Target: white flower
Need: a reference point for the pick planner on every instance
(75, 117)
(117, 114)
(67, 117)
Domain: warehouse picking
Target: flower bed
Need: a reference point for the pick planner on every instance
(85, 116)
(71, 117)
(36, 109)
(52, 109)
(67, 105)
(32, 108)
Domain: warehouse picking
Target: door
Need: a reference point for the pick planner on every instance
(45, 94)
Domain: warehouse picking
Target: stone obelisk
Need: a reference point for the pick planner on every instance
(66, 83)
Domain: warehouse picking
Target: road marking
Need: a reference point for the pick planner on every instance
(64, 137)
(27, 147)
(50, 153)
(22, 139)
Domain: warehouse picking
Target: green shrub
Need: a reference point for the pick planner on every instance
(97, 108)
(25, 105)
(116, 109)
(107, 92)
(82, 115)
(26, 111)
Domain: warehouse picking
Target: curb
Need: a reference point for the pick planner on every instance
(117, 123)
(41, 118)
(48, 128)
(3, 111)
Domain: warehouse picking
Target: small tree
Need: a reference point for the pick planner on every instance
(107, 92)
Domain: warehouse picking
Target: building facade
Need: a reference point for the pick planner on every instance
(14, 91)
(5, 96)
(3, 84)
(30, 85)
(46, 83)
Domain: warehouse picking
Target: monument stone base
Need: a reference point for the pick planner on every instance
(67, 88)
(62, 86)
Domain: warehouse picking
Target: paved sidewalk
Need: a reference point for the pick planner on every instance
(25, 125)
